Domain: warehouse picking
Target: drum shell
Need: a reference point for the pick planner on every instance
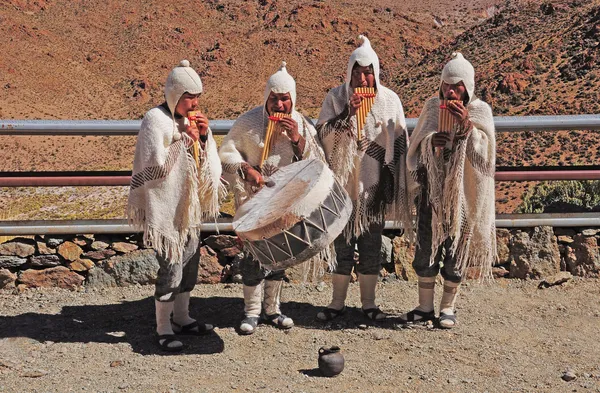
(317, 230)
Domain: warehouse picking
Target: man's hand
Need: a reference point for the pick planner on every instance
(290, 128)
(458, 111)
(355, 101)
(253, 177)
(440, 139)
(200, 123)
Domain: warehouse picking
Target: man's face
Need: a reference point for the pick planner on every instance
(456, 91)
(279, 102)
(188, 102)
(362, 76)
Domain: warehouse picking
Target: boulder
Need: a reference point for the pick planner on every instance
(209, 271)
(98, 278)
(534, 253)
(403, 254)
(7, 279)
(502, 246)
(58, 276)
(137, 267)
(99, 245)
(582, 257)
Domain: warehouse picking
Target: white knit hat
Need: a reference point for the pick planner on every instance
(364, 55)
(182, 79)
(280, 83)
(459, 69)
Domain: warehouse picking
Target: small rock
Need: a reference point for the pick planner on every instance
(11, 261)
(321, 286)
(54, 241)
(70, 251)
(48, 260)
(99, 245)
(452, 381)
(81, 241)
(589, 232)
(362, 326)
(122, 387)
(116, 363)
(557, 279)
(378, 336)
(81, 265)
(44, 249)
(18, 247)
(99, 255)
(31, 373)
(569, 375)
(565, 239)
(124, 247)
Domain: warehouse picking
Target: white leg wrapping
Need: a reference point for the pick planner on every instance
(252, 305)
(340, 284)
(426, 293)
(163, 317)
(368, 284)
(181, 309)
(273, 300)
(449, 297)
(252, 300)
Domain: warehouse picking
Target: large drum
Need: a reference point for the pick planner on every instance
(296, 218)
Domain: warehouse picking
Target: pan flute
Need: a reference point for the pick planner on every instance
(368, 95)
(446, 122)
(270, 134)
(192, 116)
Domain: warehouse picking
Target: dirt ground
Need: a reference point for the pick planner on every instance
(512, 337)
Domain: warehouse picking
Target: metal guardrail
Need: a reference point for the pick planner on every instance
(221, 127)
(117, 226)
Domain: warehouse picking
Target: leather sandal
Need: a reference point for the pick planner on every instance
(277, 320)
(163, 341)
(447, 321)
(374, 314)
(417, 316)
(251, 322)
(327, 314)
(192, 329)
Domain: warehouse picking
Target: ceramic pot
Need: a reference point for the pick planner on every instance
(331, 361)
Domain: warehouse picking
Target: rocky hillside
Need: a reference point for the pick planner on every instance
(77, 60)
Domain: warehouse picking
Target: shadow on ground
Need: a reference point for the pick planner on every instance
(133, 323)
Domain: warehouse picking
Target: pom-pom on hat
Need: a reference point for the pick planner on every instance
(281, 82)
(364, 55)
(459, 69)
(182, 79)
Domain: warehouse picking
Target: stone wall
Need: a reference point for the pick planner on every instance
(121, 260)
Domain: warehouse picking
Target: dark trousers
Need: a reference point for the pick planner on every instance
(369, 251)
(174, 278)
(443, 262)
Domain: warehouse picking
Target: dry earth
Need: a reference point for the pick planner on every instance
(512, 337)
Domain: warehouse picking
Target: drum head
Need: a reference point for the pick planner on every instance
(272, 204)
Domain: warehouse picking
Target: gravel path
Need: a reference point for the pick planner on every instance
(512, 337)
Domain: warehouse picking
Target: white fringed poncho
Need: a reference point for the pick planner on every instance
(461, 190)
(169, 196)
(360, 168)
